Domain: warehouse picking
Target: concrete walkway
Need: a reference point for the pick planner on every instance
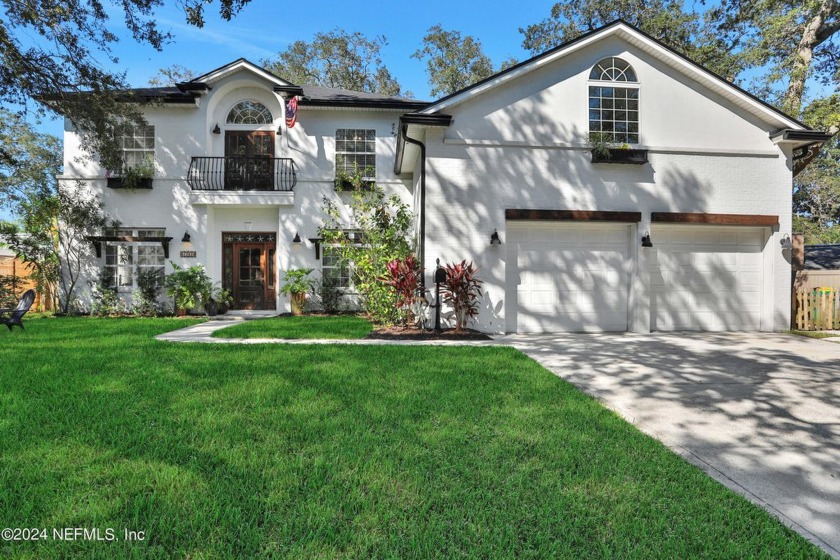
(759, 412)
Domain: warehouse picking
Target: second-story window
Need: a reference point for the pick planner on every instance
(138, 147)
(613, 102)
(355, 153)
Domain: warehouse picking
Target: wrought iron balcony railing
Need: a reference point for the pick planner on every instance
(242, 174)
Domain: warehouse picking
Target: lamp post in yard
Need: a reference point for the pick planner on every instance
(440, 276)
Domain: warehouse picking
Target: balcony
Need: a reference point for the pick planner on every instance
(242, 174)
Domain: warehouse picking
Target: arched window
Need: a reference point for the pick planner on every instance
(613, 70)
(249, 112)
(613, 110)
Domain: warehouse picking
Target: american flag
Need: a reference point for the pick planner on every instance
(291, 112)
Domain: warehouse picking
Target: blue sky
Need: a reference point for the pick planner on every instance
(265, 28)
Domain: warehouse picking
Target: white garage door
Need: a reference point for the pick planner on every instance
(706, 278)
(568, 276)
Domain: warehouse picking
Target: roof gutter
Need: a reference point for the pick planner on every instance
(800, 136)
(427, 120)
(421, 243)
(806, 145)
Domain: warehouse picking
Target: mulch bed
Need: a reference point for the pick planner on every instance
(401, 333)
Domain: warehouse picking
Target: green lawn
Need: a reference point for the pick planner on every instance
(305, 326)
(246, 451)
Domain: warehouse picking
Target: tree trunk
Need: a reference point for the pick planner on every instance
(815, 33)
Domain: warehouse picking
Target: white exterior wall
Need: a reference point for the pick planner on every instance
(524, 146)
(521, 145)
(184, 132)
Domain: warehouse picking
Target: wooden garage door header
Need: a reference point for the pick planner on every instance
(756, 220)
(715, 219)
(572, 215)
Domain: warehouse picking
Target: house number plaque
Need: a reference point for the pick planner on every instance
(187, 254)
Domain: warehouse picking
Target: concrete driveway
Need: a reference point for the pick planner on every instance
(760, 412)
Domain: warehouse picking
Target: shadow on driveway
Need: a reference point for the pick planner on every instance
(760, 412)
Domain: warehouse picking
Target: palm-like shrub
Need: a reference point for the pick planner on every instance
(462, 291)
(405, 277)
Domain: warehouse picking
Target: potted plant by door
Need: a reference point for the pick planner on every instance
(189, 287)
(296, 285)
(223, 298)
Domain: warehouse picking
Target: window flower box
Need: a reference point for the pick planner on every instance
(349, 184)
(136, 183)
(630, 156)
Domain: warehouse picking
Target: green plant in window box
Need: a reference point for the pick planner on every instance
(601, 146)
(137, 176)
(297, 285)
(357, 180)
(606, 151)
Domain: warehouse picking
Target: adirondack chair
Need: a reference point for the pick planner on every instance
(16, 314)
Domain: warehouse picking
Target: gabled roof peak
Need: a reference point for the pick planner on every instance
(237, 65)
(636, 37)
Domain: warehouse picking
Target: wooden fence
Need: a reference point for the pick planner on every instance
(20, 271)
(817, 309)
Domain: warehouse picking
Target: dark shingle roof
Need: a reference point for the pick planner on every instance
(169, 94)
(317, 95)
(822, 257)
(312, 96)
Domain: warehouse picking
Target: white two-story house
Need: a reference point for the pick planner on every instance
(680, 220)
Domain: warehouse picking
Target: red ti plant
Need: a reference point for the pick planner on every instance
(405, 277)
(462, 291)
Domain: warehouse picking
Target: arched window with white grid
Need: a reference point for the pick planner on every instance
(613, 102)
(249, 112)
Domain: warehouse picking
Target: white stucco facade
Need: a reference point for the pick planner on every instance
(520, 142)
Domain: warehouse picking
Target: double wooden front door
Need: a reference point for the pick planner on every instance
(249, 271)
(249, 160)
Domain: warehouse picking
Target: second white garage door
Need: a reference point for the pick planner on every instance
(706, 278)
(570, 276)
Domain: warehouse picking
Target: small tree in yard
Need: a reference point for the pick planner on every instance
(378, 232)
(462, 291)
(405, 276)
(79, 217)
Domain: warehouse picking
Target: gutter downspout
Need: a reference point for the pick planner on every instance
(422, 242)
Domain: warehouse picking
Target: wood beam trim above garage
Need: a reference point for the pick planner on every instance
(572, 215)
(714, 219)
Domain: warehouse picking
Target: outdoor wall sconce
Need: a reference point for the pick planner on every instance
(280, 130)
(296, 238)
(186, 238)
(494, 238)
(786, 242)
(646, 242)
(217, 130)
